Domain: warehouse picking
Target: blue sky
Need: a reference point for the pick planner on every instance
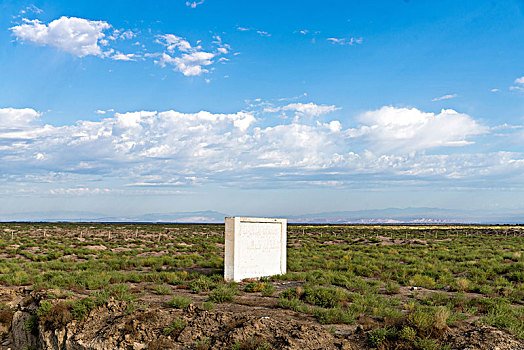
(261, 108)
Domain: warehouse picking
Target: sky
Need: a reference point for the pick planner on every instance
(261, 107)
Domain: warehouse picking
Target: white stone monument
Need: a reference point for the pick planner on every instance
(255, 247)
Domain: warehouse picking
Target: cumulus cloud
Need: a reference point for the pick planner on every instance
(78, 36)
(82, 37)
(519, 84)
(404, 129)
(189, 64)
(309, 109)
(124, 57)
(170, 148)
(12, 118)
(193, 59)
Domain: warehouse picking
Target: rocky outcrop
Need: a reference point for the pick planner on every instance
(117, 326)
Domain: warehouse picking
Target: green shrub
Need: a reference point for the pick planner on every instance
(427, 344)
(421, 319)
(201, 284)
(407, 333)
(31, 324)
(392, 288)
(268, 290)
(379, 335)
(461, 284)
(44, 308)
(294, 304)
(208, 305)
(58, 316)
(163, 290)
(423, 281)
(83, 307)
(176, 327)
(179, 302)
(291, 293)
(333, 315)
(223, 293)
(254, 287)
(327, 297)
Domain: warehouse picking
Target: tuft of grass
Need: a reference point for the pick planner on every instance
(31, 324)
(268, 290)
(223, 293)
(163, 289)
(379, 335)
(56, 317)
(333, 315)
(392, 287)
(176, 327)
(254, 287)
(179, 302)
(201, 284)
(462, 284)
(208, 306)
(83, 307)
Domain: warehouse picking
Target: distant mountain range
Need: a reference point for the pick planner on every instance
(373, 216)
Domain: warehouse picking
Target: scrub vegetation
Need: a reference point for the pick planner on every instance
(402, 286)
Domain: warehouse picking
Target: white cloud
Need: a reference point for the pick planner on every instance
(124, 57)
(344, 41)
(445, 97)
(494, 90)
(243, 29)
(12, 118)
(263, 33)
(78, 36)
(173, 43)
(194, 4)
(189, 64)
(408, 130)
(309, 109)
(519, 84)
(32, 9)
(193, 58)
(188, 148)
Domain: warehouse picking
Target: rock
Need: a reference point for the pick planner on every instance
(22, 339)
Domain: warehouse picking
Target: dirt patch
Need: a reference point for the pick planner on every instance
(483, 338)
(95, 247)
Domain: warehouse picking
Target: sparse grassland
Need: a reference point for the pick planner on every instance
(404, 286)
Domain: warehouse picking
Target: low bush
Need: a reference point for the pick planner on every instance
(268, 290)
(223, 293)
(163, 289)
(333, 315)
(179, 302)
(56, 316)
(327, 297)
(392, 287)
(254, 287)
(175, 328)
(208, 305)
(201, 284)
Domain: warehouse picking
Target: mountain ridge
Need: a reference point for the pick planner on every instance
(414, 215)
